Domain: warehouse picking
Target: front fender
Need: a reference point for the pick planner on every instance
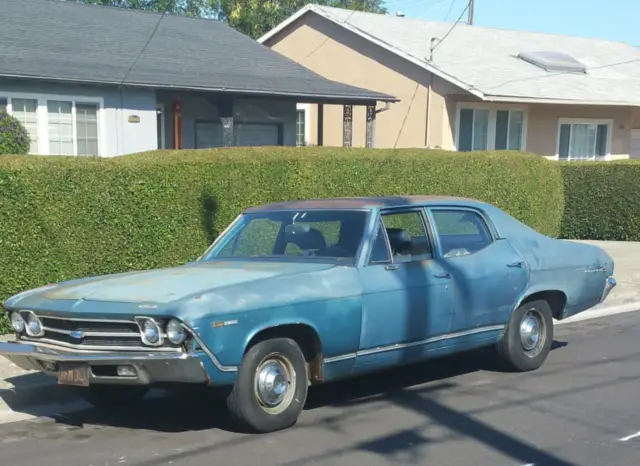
(335, 321)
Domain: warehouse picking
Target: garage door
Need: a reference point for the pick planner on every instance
(256, 134)
(634, 152)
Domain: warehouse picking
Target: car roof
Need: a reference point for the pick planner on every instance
(367, 203)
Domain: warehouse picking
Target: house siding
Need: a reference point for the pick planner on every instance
(542, 137)
(117, 136)
(342, 56)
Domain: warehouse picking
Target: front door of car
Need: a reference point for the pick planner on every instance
(406, 295)
(488, 275)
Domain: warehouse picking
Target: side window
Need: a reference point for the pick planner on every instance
(379, 250)
(461, 232)
(407, 236)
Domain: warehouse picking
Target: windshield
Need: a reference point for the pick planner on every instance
(316, 234)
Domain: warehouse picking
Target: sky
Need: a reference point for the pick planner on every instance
(617, 20)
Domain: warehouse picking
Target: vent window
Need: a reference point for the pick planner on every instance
(554, 61)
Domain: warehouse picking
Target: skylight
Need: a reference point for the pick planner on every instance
(553, 61)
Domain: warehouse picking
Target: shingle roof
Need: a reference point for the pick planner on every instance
(62, 40)
(484, 61)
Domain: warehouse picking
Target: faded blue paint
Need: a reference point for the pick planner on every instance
(365, 316)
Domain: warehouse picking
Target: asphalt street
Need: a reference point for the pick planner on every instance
(580, 409)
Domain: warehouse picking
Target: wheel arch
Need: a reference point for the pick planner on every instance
(557, 300)
(304, 334)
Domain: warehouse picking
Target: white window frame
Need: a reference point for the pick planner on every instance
(42, 116)
(588, 121)
(307, 122)
(493, 115)
(163, 140)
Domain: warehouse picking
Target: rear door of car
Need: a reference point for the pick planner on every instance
(487, 274)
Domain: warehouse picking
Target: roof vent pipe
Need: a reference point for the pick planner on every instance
(399, 14)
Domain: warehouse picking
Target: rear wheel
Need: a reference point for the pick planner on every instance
(271, 387)
(528, 336)
(113, 396)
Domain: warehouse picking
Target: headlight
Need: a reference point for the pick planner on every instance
(17, 322)
(151, 332)
(175, 332)
(33, 327)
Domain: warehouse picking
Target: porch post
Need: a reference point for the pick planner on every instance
(177, 123)
(225, 110)
(371, 125)
(347, 125)
(320, 124)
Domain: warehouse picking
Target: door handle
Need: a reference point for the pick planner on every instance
(442, 275)
(515, 264)
(391, 267)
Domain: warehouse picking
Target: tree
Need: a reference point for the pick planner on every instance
(256, 17)
(199, 8)
(251, 17)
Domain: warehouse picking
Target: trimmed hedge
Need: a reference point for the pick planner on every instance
(602, 200)
(63, 217)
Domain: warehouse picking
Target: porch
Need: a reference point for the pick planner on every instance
(200, 120)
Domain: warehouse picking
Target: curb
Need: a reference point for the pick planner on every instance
(46, 397)
(601, 311)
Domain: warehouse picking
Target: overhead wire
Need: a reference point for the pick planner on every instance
(440, 41)
(560, 73)
(169, 5)
(453, 2)
(415, 91)
(326, 39)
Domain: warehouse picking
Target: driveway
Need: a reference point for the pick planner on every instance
(579, 409)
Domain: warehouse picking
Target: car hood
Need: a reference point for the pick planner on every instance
(166, 285)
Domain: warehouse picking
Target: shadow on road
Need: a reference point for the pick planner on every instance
(193, 409)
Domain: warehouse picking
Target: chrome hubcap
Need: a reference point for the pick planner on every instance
(274, 383)
(531, 330)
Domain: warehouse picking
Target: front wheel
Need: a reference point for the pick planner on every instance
(271, 387)
(528, 336)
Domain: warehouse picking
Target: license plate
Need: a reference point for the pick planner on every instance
(74, 375)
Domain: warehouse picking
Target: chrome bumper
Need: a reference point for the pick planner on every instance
(610, 284)
(165, 367)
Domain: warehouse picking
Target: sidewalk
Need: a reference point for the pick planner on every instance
(24, 394)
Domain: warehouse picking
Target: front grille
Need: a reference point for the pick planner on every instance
(95, 334)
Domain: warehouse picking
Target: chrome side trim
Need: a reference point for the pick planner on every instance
(342, 357)
(399, 346)
(89, 348)
(208, 352)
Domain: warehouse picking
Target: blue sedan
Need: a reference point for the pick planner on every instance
(306, 292)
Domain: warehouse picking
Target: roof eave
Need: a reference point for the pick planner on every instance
(421, 63)
(552, 101)
(313, 98)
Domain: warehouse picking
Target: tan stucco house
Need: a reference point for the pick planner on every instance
(467, 87)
